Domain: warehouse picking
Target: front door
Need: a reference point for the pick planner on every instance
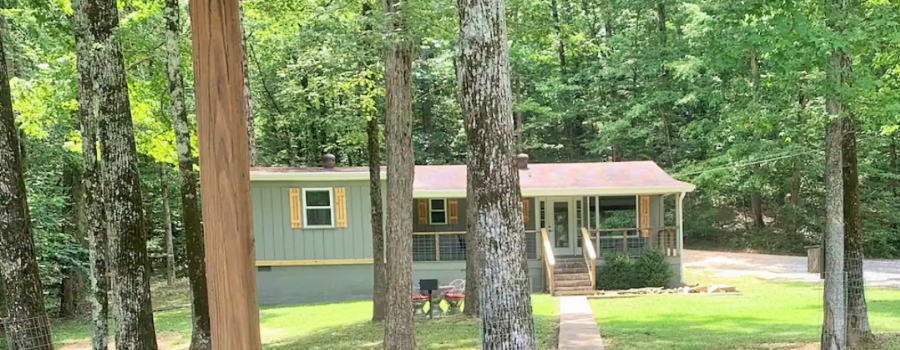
(559, 220)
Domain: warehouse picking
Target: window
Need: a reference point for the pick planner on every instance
(318, 207)
(437, 209)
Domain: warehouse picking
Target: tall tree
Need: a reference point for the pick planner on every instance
(399, 326)
(167, 212)
(380, 287)
(834, 325)
(133, 313)
(373, 147)
(28, 326)
(857, 311)
(195, 250)
(495, 196)
(94, 212)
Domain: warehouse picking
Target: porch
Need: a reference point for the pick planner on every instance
(555, 231)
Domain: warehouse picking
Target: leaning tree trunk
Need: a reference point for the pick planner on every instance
(858, 331)
(94, 213)
(495, 197)
(399, 326)
(190, 211)
(133, 312)
(27, 324)
(170, 246)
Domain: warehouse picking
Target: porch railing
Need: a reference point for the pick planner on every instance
(451, 246)
(590, 256)
(548, 261)
(635, 241)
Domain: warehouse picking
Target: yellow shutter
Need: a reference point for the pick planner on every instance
(296, 219)
(340, 207)
(452, 209)
(423, 211)
(645, 216)
(525, 211)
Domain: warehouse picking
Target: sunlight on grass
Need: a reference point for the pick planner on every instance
(335, 326)
(768, 315)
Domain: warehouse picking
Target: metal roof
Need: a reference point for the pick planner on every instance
(540, 179)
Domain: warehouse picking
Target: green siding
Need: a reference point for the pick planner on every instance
(276, 240)
(460, 225)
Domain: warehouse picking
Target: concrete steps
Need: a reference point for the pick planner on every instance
(571, 276)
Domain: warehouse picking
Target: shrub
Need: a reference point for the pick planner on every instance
(652, 270)
(616, 273)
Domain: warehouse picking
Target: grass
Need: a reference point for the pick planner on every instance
(335, 326)
(768, 315)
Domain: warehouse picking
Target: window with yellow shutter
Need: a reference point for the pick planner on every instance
(318, 208)
(437, 211)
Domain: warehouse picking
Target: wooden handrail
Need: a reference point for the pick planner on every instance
(588, 247)
(548, 258)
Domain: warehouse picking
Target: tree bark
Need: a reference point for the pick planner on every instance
(756, 208)
(27, 324)
(474, 255)
(380, 292)
(133, 313)
(834, 326)
(859, 332)
(70, 287)
(95, 213)
(248, 99)
(493, 179)
(170, 246)
(195, 250)
(399, 328)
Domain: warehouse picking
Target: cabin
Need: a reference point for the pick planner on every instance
(313, 236)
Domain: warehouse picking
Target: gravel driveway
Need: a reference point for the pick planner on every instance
(877, 273)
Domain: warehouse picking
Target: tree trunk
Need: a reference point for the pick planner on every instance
(474, 257)
(380, 292)
(399, 326)
(493, 179)
(756, 208)
(190, 212)
(248, 99)
(95, 213)
(170, 246)
(133, 313)
(834, 327)
(27, 324)
(70, 287)
(561, 50)
(859, 332)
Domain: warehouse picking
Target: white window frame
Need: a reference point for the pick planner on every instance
(307, 207)
(445, 211)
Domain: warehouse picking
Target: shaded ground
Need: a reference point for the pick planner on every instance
(877, 273)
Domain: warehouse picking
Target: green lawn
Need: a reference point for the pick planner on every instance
(337, 326)
(769, 315)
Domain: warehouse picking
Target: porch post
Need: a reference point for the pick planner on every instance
(225, 174)
(679, 217)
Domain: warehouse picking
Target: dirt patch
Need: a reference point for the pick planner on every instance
(165, 341)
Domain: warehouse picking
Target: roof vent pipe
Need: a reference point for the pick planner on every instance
(522, 161)
(328, 161)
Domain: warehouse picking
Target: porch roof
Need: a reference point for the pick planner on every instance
(540, 179)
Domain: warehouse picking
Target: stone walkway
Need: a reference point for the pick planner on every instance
(577, 327)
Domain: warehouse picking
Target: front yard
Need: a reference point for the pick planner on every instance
(337, 326)
(768, 315)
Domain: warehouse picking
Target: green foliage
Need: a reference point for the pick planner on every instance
(617, 272)
(652, 270)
